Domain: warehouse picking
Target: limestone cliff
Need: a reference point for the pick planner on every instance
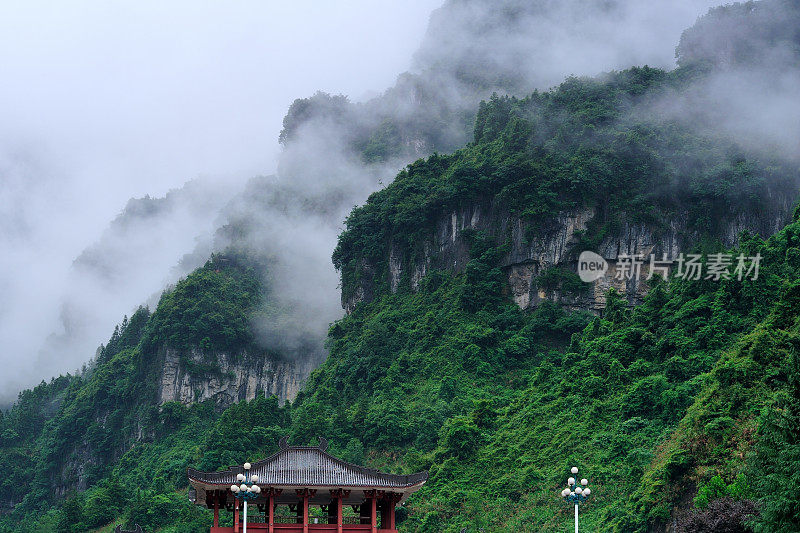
(533, 249)
(234, 378)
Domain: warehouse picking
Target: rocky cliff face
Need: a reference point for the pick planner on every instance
(234, 378)
(536, 248)
(186, 379)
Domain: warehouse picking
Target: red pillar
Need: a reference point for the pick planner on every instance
(374, 514)
(271, 513)
(339, 518)
(392, 502)
(383, 507)
(305, 512)
(236, 516)
(216, 508)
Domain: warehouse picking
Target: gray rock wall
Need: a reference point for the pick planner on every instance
(534, 249)
(239, 378)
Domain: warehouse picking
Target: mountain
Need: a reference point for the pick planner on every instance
(335, 153)
(470, 347)
(551, 175)
(141, 251)
(754, 34)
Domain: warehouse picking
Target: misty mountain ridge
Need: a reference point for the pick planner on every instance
(489, 387)
(752, 34)
(431, 108)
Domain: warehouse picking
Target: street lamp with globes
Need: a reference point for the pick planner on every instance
(576, 493)
(246, 490)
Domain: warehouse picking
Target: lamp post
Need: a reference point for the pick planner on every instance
(247, 490)
(576, 493)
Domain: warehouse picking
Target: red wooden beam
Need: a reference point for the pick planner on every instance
(373, 513)
(339, 517)
(305, 511)
(216, 508)
(339, 495)
(395, 500)
(271, 511)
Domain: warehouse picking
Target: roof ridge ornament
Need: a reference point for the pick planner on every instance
(283, 443)
(323, 444)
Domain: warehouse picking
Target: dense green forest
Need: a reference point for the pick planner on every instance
(587, 143)
(695, 391)
(684, 408)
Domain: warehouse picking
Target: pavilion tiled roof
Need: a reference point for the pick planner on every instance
(310, 466)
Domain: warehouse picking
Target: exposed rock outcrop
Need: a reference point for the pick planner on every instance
(533, 249)
(233, 379)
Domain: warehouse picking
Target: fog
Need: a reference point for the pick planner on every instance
(520, 44)
(104, 101)
(123, 101)
(758, 109)
(752, 95)
(470, 49)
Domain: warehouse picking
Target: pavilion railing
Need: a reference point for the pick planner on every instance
(355, 520)
(261, 518)
(287, 519)
(254, 518)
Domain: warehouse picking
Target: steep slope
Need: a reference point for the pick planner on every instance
(497, 402)
(197, 345)
(473, 48)
(578, 168)
(129, 264)
(651, 403)
(437, 366)
(337, 152)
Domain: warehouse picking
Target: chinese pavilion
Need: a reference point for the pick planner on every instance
(302, 479)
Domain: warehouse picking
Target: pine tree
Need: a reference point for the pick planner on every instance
(776, 475)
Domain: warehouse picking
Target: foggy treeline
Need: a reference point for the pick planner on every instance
(336, 150)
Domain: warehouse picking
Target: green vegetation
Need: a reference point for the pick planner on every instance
(587, 143)
(103, 430)
(687, 403)
(650, 402)
(209, 310)
(694, 391)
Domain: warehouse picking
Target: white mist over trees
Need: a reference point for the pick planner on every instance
(753, 93)
(103, 102)
(336, 151)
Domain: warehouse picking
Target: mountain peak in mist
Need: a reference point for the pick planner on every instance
(744, 34)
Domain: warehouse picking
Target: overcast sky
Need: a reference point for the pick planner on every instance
(150, 93)
(101, 101)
